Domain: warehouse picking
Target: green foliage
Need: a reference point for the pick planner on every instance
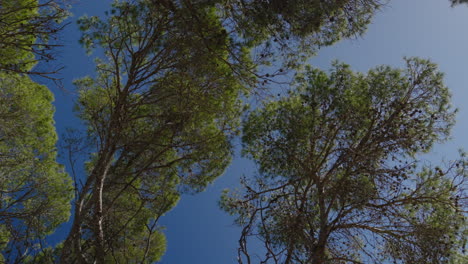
(130, 222)
(10, 51)
(296, 29)
(165, 104)
(34, 190)
(252, 32)
(29, 34)
(161, 111)
(341, 175)
(178, 94)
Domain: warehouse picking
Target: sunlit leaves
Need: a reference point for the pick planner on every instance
(161, 113)
(34, 189)
(29, 34)
(340, 170)
(294, 30)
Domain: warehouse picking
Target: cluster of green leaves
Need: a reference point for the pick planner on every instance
(28, 34)
(162, 121)
(165, 104)
(34, 190)
(338, 157)
(340, 176)
(12, 55)
(290, 31)
(161, 112)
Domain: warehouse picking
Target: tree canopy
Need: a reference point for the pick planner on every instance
(340, 175)
(29, 31)
(35, 191)
(288, 32)
(160, 120)
(160, 123)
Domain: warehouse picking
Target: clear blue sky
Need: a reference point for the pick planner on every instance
(197, 231)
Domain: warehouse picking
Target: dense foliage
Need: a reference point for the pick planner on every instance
(340, 173)
(290, 31)
(341, 179)
(29, 32)
(35, 191)
(160, 120)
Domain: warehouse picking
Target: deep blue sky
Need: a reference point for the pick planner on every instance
(197, 231)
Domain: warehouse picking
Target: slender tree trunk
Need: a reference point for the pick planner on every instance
(73, 240)
(102, 168)
(318, 256)
(98, 218)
